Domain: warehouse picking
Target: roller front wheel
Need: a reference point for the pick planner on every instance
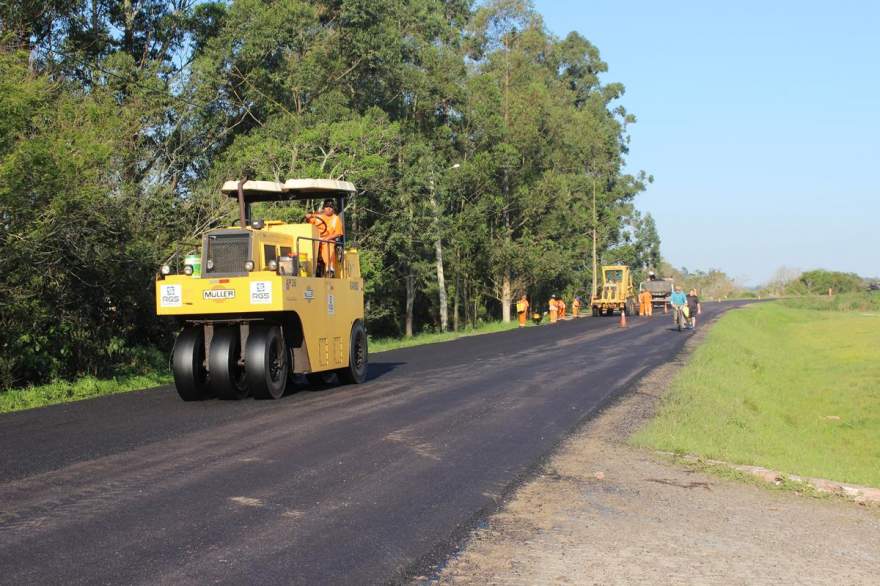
(224, 362)
(188, 364)
(267, 363)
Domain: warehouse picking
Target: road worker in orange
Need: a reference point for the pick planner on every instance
(646, 303)
(330, 228)
(576, 307)
(554, 309)
(562, 308)
(522, 310)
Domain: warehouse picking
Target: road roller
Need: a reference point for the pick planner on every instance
(258, 303)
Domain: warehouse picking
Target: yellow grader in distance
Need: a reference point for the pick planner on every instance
(257, 305)
(617, 292)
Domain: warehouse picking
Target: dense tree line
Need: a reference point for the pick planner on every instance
(486, 152)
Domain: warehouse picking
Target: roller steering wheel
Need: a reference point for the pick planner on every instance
(320, 219)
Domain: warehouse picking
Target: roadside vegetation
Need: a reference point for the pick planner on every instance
(383, 344)
(859, 302)
(145, 369)
(789, 385)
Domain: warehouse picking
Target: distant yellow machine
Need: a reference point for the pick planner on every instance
(617, 292)
(256, 306)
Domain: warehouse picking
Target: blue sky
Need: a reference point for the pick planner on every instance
(760, 122)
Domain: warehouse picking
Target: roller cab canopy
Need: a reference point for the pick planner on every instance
(292, 189)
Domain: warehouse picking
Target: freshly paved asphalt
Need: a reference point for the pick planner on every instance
(362, 484)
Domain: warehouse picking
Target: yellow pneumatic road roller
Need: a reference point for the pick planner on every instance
(259, 304)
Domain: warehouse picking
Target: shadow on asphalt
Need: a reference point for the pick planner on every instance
(375, 370)
(379, 369)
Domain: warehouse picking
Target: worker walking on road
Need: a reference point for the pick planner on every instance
(330, 228)
(678, 300)
(694, 307)
(576, 306)
(522, 310)
(554, 309)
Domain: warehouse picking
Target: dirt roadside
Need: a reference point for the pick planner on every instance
(603, 512)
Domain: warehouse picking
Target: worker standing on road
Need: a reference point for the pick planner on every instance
(694, 307)
(554, 309)
(646, 303)
(330, 227)
(561, 303)
(576, 306)
(522, 310)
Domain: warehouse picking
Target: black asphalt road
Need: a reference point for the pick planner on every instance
(361, 484)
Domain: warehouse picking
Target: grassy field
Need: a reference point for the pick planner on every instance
(782, 386)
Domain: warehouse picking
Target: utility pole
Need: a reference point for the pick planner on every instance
(595, 233)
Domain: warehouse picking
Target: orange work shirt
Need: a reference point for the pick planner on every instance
(330, 228)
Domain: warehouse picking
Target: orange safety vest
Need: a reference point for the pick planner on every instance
(331, 228)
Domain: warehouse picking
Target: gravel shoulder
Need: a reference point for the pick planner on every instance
(605, 512)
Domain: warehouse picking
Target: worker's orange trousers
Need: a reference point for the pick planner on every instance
(554, 316)
(522, 319)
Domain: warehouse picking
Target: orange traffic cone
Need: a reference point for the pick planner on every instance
(623, 318)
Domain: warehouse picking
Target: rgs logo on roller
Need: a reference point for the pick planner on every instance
(218, 294)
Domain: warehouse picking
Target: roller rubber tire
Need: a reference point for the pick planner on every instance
(358, 355)
(227, 377)
(266, 363)
(188, 366)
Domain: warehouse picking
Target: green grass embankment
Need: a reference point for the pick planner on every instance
(782, 386)
(384, 344)
(147, 367)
